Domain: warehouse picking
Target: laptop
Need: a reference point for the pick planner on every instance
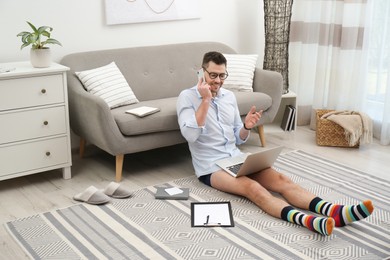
(249, 163)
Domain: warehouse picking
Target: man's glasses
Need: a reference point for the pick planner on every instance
(214, 75)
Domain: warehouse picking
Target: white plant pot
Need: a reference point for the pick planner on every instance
(40, 58)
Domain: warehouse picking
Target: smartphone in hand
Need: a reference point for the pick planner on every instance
(201, 74)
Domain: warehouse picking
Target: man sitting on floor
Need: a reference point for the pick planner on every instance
(209, 120)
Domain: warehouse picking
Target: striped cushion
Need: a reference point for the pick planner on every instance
(241, 70)
(108, 83)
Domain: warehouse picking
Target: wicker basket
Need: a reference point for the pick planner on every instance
(329, 133)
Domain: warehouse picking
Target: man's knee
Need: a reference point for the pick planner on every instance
(283, 182)
(255, 190)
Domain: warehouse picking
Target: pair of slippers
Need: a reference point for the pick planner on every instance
(94, 196)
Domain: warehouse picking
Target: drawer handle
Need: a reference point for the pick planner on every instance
(45, 123)
(47, 153)
(43, 91)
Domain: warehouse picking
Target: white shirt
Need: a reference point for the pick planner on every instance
(219, 137)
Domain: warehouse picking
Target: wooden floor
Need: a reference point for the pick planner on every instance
(24, 196)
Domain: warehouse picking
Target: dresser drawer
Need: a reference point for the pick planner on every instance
(31, 91)
(29, 124)
(34, 155)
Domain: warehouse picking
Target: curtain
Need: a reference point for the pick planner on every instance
(331, 57)
(377, 43)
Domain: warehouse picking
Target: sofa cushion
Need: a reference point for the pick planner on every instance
(108, 83)
(241, 69)
(245, 100)
(164, 120)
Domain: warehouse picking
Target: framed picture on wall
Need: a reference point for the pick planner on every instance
(141, 11)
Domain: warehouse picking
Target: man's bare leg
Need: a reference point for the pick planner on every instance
(254, 191)
(301, 198)
(250, 189)
(274, 181)
(271, 180)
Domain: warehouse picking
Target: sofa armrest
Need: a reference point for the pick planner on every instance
(87, 114)
(270, 83)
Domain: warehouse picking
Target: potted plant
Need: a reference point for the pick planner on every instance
(40, 55)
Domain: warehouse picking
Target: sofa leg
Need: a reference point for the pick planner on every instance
(82, 147)
(119, 165)
(260, 129)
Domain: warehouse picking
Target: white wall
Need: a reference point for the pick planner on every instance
(80, 26)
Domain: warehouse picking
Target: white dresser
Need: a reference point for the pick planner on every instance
(34, 120)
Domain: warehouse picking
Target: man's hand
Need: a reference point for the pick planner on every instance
(201, 113)
(204, 89)
(252, 117)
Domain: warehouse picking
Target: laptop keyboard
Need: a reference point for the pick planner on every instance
(235, 168)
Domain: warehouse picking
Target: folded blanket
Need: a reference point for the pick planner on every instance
(357, 125)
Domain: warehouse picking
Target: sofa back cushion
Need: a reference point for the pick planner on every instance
(153, 72)
(108, 83)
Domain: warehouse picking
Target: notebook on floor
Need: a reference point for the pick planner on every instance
(250, 163)
(162, 193)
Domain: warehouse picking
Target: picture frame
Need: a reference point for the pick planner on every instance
(141, 11)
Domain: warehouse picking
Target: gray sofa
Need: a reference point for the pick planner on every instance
(156, 74)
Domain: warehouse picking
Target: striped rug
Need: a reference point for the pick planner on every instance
(144, 228)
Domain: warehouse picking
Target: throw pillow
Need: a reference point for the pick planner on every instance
(108, 83)
(241, 69)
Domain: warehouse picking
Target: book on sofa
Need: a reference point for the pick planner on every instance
(143, 111)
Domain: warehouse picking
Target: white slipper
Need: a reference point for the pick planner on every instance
(92, 196)
(115, 190)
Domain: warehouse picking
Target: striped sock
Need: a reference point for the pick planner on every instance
(324, 226)
(343, 215)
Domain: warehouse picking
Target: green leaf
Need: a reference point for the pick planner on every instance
(22, 34)
(35, 38)
(52, 41)
(45, 33)
(25, 37)
(43, 29)
(32, 38)
(24, 45)
(32, 26)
